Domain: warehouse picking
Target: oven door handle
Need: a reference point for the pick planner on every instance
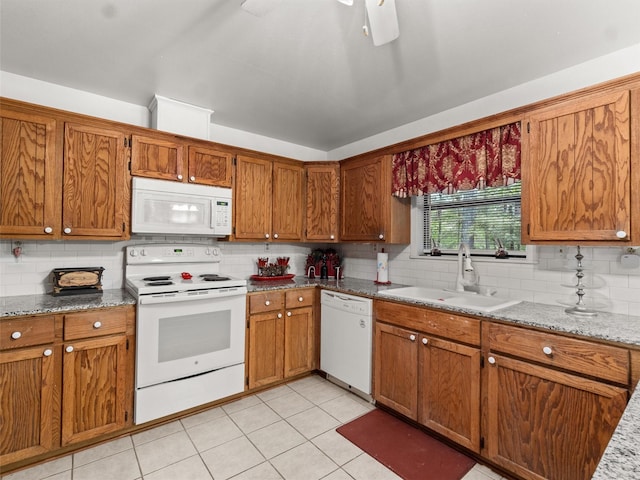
(193, 296)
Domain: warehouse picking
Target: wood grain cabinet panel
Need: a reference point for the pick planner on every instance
(287, 209)
(546, 424)
(29, 401)
(207, 166)
(266, 343)
(323, 199)
(159, 156)
(94, 188)
(29, 172)
(299, 341)
(252, 198)
(577, 174)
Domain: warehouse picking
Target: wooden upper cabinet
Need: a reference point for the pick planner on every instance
(252, 198)
(268, 200)
(30, 175)
(577, 175)
(158, 157)
(323, 198)
(287, 206)
(368, 212)
(207, 166)
(94, 191)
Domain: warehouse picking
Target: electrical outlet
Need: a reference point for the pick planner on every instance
(375, 247)
(266, 247)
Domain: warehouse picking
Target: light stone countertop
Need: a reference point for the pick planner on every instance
(621, 459)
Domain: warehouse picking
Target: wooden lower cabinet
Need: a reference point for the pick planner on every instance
(430, 379)
(28, 403)
(281, 339)
(546, 424)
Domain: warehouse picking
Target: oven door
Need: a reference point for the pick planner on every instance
(184, 334)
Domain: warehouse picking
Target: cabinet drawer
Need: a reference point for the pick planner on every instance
(266, 301)
(434, 322)
(299, 298)
(94, 324)
(581, 356)
(23, 332)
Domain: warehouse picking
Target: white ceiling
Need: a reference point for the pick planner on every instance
(304, 72)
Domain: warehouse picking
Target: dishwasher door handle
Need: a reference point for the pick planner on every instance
(345, 299)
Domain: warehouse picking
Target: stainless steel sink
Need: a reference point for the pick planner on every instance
(470, 301)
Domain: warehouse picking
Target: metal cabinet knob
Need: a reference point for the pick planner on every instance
(192, 178)
(16, 335)
(67, 230)
(267, 302)
(288, 314)
(48, 352)
(97, 324)
(425, 341)
(48, 230)
(412, 338)
(381, 236)
(332, 237)
(621, 234)
(300, 299)
(547, 350)
(279, 315)
(69, 349)
(275, 235)
(179, 177)
(266, 235)
(491, 360)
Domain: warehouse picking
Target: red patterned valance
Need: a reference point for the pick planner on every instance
(485, 159)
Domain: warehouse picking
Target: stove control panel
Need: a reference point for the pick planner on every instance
(165, 253)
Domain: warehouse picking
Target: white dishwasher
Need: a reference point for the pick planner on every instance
(345, 340)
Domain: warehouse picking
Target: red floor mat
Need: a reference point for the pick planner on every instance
(409, 452)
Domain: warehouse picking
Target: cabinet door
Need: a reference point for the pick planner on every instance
(266, 345)
(93, 393)
(94, 193)
(361, 202)
(578, 174)
(27, 403)
(396, 369)
(323, 195)
(546, 424)
(30, 177)
(287, 202)
(160, 158)
(299, 342)
(252, 192)
(449, 390)
(209, 167)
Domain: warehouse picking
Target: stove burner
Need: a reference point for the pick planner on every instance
(213, 277)
(156, 279)
(159, 283)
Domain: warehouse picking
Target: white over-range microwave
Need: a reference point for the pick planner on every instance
(171, 208)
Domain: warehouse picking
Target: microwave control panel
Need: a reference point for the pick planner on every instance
(221, 214)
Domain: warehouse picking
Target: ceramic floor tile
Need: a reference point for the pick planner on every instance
(276, 439)
(313, 422)
(303, 462)
(164, 451)
(101, 451)
(241, 404)
(321, 392)
(306, 382)
(192, 468)
(346, 407)
(123, 466)
(67, 475)
(232, 458)
(214, 433)
(274, 393)
(480, 474)
(253, 418)
(336, 447)
(486, 471)
(43, 470)
(157, 432)
(264, 471)
(338, 475)
(289, 404)
(203, 417)
(365, 467)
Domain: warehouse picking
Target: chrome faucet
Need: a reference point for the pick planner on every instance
(311, 270)
(466, 279)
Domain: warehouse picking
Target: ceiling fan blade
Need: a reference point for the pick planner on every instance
(383, 21)
(259, 8)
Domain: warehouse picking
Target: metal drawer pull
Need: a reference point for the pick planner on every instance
(97, 324)
(69, 349)
(16, 335)
(47, 352)
(425, 341)
(547, 350)
(491, 360)
(412, 338)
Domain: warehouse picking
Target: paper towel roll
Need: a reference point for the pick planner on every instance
(383, 268)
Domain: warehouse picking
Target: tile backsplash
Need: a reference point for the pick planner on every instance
(548, 281)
